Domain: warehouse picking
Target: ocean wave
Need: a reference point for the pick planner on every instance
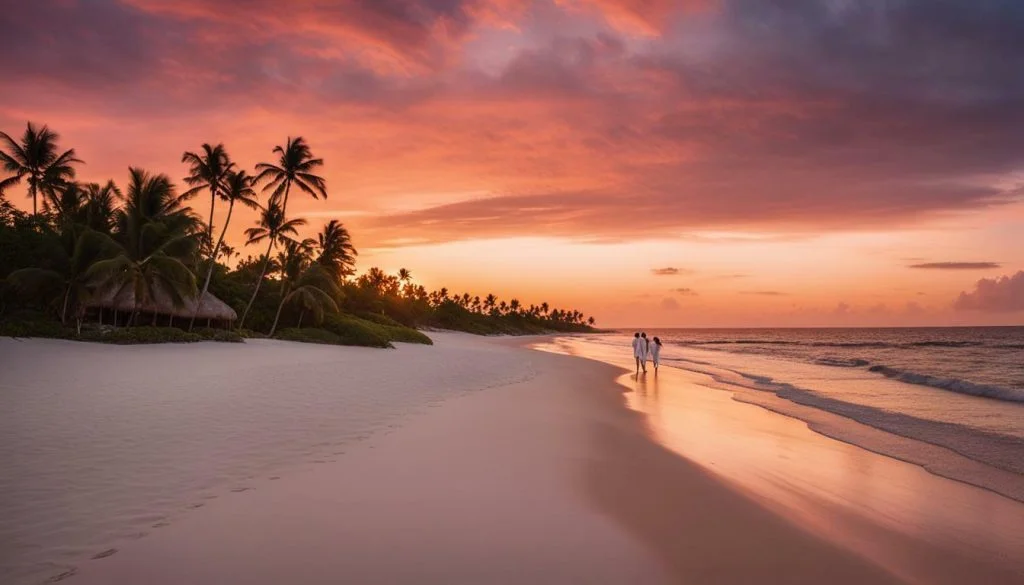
(951, 384)
(842, 362)
(994, 449)
(945, 344)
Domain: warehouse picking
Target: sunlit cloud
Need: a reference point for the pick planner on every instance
(716, 124)
(956, 265)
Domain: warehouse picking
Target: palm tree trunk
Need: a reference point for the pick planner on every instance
(64, 310)
(266, 261)
(277, 317)
(32, 191)
(213, 261)
(301, 313)
(256, 291)
(284, 204)
(213, 201)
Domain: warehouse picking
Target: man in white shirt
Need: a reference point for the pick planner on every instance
(640, 353)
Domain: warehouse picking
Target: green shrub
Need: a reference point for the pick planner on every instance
(379, 319)
(353, 331)
(309, 335)
(404, 334)
(224, 335)
(52, 329)
(141, 335)
(34, 328)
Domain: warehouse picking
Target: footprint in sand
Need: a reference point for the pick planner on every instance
(160, 524)
(104, 554)
(194, 506)
(62, 576)
(275, 477)
(239, 490)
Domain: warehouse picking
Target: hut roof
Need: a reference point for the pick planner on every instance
(209, 308)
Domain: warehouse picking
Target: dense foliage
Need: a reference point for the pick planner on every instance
(86, 244)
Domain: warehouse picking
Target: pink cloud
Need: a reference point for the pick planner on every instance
(780, 118)
(1003, 294)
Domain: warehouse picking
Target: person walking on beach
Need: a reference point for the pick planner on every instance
(640, 352)
(656, 354)
(647, 350)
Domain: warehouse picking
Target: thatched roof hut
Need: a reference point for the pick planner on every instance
(209, 308)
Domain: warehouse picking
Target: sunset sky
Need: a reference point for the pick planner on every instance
(650, 162)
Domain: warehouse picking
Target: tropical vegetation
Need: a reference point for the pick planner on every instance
(141, 252)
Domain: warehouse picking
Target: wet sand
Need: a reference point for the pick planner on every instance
(568, 471)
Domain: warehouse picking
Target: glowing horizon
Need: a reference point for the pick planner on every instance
(703, 163)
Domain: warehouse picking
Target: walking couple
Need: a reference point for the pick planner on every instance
(644, 348)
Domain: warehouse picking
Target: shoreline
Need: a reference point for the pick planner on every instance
(554, 470)
(844, 422)
(914, 513)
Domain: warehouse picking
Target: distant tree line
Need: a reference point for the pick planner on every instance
(84, 241)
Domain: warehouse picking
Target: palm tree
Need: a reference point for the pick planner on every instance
(315, 293)
(337, 254)
(544, 308)
(490, 302)
(404, 275)
(68, 205)
(208, 170)
(295, 166)
(72, 279)
(310, 285)
(591, 321)
(513, 306)
(273, 227)
(236, 188)
(100, 205)
(37, 158)
(157, 238)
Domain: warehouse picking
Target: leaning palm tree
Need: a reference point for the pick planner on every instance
(236, 188)
(208, 170)
(37, 158)
(293, 262)
(273, 227)
(157, 238)
(295, 167)
(315, 292)
(337, 254)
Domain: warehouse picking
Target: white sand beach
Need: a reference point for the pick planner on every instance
(474, 460)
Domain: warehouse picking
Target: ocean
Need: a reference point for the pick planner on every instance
(958, 388)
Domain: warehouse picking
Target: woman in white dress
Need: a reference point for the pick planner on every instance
(640, 352)
(656, 353)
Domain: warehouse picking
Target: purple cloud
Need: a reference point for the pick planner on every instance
(1003, 294)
